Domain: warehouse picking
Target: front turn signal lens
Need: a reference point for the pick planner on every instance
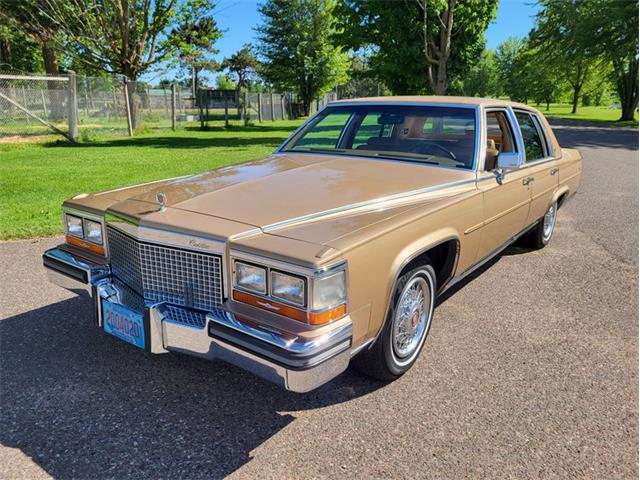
(78, 242)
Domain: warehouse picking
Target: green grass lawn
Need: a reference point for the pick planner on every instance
(591, 114)
(36, 178)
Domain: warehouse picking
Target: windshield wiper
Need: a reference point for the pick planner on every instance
(317, 149)
(406, 158)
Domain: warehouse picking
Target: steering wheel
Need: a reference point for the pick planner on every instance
(425, 147)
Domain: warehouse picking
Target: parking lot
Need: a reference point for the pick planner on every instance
(530, 370)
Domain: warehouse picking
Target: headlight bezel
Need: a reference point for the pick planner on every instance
(306, 311)
(83, 241)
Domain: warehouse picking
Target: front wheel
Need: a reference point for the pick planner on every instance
(408, 322)
(541, 234)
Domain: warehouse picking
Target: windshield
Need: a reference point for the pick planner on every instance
(428, 134)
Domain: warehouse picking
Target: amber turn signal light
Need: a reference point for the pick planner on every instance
(78, 242)
(303, 316)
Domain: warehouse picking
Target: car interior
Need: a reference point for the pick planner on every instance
(499, 138)
(449, 139)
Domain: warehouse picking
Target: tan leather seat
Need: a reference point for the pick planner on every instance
(491, 158)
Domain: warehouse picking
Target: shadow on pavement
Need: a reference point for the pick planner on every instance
(576, 134)
(84, 405)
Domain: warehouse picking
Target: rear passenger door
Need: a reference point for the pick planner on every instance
(541, 164)
(506, 204)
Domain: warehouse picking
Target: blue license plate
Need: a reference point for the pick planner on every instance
(123, 323)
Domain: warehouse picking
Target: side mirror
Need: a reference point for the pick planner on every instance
(509, 160)
(506, 161)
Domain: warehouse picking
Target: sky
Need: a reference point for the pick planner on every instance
(237, 18)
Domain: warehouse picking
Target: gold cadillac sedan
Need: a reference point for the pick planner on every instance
(331, 250)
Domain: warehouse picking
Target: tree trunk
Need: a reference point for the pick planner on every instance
(576, 97)
(50, 57)
(627, 87)
(440, 86)
(5, 51)
(134, 100)
(238, 101)
(56, 95)
(194, 81)
(437, 56)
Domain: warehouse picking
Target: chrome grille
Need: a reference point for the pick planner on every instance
(166, 274)
(190, 318)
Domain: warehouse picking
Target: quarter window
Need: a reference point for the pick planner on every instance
(533, 143)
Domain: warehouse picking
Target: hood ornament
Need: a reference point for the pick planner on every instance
(161, 198)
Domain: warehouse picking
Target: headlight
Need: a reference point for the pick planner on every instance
(93, 231)
(329, 291)
(84, 231)
(74, 226)
(251, 277)
(288, 288)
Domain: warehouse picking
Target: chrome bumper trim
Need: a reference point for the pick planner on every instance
(71, 272)
(296, 363)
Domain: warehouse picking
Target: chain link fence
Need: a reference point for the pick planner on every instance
(82, 108)
(33, 105)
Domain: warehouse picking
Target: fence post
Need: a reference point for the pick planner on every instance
(128, 107)
(282, 105)
(273, 117)
(245, 108)
(260, 107)
(207, 110)
(86, 98)
(226, 111)
(72, 105)
(173, 107)
(199, 97)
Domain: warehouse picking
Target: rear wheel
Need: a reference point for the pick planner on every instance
(541, 234)
(408, 323)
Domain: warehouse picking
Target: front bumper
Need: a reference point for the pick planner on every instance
(295, 362)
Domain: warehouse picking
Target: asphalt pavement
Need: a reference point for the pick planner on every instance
(530, 371)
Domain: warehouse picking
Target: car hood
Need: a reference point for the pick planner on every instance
(283, 194)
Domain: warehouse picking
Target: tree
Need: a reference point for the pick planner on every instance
(241, 64)
(438, 43)
(418, 45)
(32, 18)
(483, 79)
(193, 40)
(510, 62)
(565, 41)
(18, 51)
(116, 36)
(614, 36)
(296, 47)
(362, 83)
(225, 82)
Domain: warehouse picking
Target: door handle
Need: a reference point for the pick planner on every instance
(553, 171)
(527, 180)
